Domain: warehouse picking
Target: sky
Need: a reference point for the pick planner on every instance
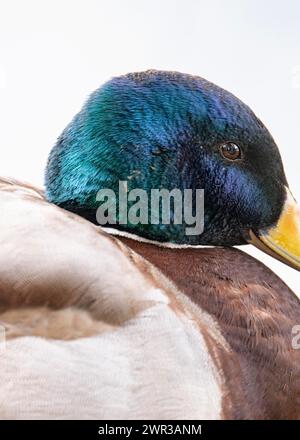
(53, 54)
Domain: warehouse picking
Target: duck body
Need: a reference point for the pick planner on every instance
(108, 327)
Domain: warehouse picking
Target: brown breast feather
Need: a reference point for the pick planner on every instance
(256, 312)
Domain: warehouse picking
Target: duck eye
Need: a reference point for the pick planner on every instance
(230, 151)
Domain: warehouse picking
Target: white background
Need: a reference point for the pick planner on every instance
(54, 53)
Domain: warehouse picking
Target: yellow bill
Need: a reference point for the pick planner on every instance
(283, 240)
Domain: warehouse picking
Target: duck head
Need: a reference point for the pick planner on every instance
(169, 130)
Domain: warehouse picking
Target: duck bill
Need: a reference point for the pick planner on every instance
(282, 241)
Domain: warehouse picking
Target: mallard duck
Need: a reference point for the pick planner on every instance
(144, 320)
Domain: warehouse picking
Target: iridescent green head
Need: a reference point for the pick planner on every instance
(170, 130)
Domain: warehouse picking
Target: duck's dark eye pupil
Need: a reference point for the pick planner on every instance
(230, 151)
